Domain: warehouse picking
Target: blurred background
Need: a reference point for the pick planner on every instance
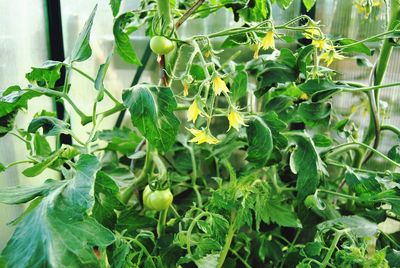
(25, 42)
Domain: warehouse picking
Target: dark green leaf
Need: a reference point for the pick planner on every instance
(313, 249)
(51, 126)
(239, 86)
(101, 73)
(278, 213)
(60, 220)
(259, 137)
(106, 200)
(279, 103)
(7, 123)
(321, 140)
(394, 153)
(152, 113)
(122, 140)
(260, 11)
(306, 163)
(123, 43)
(42, 147)
(314, 112)
(14, 98)
(82, 50)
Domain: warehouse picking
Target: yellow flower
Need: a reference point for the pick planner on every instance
(185, 89)
(256, 50)
(312, 33)
(331, 55)
(235, 120)
(268, 41)
(202, 136)
(319, 43)
(219, 86)
(193, 111)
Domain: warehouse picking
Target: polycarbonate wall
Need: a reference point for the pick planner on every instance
(23, 44)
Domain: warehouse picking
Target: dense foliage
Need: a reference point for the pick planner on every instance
(227, 163)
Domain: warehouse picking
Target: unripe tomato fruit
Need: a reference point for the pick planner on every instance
(161, 45)
(310, 201)
(157, 200)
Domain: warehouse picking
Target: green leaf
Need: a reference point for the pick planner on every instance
(259, 137)
(45, 76)
(279, 103)
(272, 210)
(311, 113)
(321, 140)
(284, 3)
(14, 98)
(356, 225)
(122, 140)
(22, 194)
(123, 43)
(152, 113)
(321, 89)
(361, 184)
(309, 4)
(357, 48)
(313, 249)
(208, 261)
(260, 11)
(394, 153)
(7, 123)
(51, 126)
(115, 6)
(239, 86)
(2, 167)
(106, 200)
(42, 147)
(101, 73)
(82, 50)
(60, 221)
(272, 74)
(306, 163)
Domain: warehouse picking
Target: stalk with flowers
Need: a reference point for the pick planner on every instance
(235, 158)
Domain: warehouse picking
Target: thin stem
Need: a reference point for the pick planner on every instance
(188, 13)
(392, 128)
(19, 162)
(113, 110)
(332, 248)
(371, 38)
(371, 88)
(338, 194)
(144, 249)
(228, 240)
(190, 229)
(126, 195)
(162, 219)
(240, 258)
(332, 163)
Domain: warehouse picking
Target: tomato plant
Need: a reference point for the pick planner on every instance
(263, 168)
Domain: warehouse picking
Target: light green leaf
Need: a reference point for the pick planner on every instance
(42, 147)
(239, 86)
(14, 98)
(152, 113)
(51, 126)
(58, 232)
(123, 43)
(101, 73)
(309, 4)
(82, 50)
(45, 76)
(122, 140)
(208, 261)
(284, 3)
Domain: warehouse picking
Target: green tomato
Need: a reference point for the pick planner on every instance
(310, 201)
(157, 200)
(161, 45)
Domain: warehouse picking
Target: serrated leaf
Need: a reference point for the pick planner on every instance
(152, 113)
(123, 44)
(82, 50)
(122, 140)
(60, 221)
(356, 225)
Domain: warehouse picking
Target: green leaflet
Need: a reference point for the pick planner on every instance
(59, 221)
(123, 44)
(152, 113)
(306, 163)
(115, 5)
(82, 50)
(259, 137)
(46, 75)
(51, 126)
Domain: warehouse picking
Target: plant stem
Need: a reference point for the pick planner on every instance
(140, 180)
(161, 222)
(394, 129)
(228, 240)
(188, 13)
(190, 229)
(338, 194)
(332, 248)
